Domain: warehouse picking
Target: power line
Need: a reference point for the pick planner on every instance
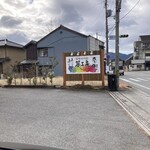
(131, 9)
(113, 27)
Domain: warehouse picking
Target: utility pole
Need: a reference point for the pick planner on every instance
(118, 7)
(107, 46)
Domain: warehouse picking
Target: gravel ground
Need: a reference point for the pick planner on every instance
(68, 119)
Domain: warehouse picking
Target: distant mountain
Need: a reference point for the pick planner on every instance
(121, 56)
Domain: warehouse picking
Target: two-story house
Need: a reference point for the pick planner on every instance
(10, 53)
(31, 58)
(141, 56)
(63, 39)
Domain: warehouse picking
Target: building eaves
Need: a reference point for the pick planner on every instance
(65, 28)
(31, 42)
(29, 62)
(96, 39)
(6, 42)
(4, 59)
(145, 37)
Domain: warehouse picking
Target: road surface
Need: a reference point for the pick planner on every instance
(136, 100)
(68, 119)
(138, 79)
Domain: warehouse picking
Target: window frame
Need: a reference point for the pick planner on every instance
(43, 52)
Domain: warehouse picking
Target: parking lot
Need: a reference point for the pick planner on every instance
(68, 119)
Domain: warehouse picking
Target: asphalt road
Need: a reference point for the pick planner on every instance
(72, 120)
(138, 79)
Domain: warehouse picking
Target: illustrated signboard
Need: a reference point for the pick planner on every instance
(89, 64)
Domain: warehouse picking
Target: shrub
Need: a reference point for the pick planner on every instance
(9, 80)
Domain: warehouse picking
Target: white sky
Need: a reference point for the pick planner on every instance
(25, 20)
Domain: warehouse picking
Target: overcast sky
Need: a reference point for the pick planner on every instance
(25, 20)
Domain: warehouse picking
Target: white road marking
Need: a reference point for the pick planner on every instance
(141, 79)
(134, 79)
(136, 84)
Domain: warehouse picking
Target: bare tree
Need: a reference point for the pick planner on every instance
(15, 70)
(53, 64)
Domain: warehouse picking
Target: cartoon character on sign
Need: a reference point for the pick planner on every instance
(77, 63)
(87, 63)
(94, 59)
(70, 64)
(94, 65)
(82, 63)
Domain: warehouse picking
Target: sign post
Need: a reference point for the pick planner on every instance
(64, 70)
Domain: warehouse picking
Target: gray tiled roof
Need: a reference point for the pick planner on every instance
(10, 43)
(31, 42)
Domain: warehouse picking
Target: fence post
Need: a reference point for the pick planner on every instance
(64, 69)
(82, 73)
(102, 68)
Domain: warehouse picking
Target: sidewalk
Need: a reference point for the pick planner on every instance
(137, 105)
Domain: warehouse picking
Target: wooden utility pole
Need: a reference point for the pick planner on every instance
(118, 7)
(107, 45)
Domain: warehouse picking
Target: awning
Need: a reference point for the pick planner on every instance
(4, 59)
(138, 61)
(29, 62)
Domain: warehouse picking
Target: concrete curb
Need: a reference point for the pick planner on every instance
(139, 116)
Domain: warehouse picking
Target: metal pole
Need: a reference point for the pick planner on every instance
(107, 46)
(118, 7)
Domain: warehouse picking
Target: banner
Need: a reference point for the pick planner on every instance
(89, 64)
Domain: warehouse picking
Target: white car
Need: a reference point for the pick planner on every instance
(121, 72)
(109, 72)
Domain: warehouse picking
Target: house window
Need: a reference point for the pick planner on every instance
(139, 66)
(43, 53)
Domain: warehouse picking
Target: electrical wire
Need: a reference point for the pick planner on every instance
(130, 9)
(113, 27)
